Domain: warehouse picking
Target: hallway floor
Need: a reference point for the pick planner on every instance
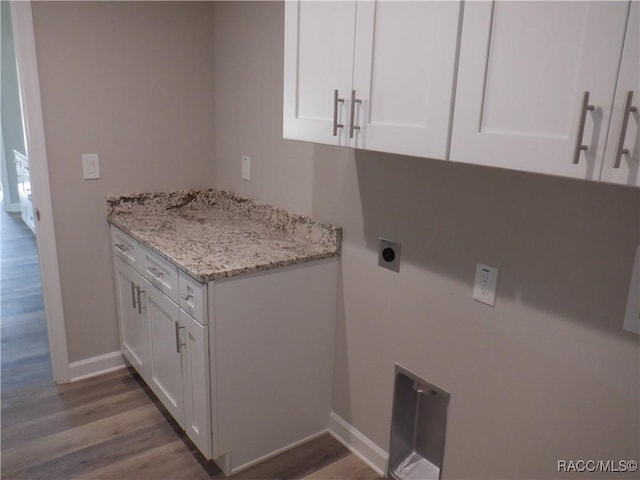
(25, 347)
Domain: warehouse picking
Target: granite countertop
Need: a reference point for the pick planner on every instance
(212, 234)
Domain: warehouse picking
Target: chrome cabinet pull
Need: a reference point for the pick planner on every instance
(583, 118)
(133, 295)
(122, 247)
(155, 272)
(336, 101)
(352, 117)
(628, 108)
(178, 344)
(140, 306)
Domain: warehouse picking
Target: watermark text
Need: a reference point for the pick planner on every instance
(597, 466)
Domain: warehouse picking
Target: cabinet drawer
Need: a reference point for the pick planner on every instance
(193, 297)
(124, 246)
(162, 274)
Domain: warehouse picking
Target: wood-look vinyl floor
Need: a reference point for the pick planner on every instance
(110, 426)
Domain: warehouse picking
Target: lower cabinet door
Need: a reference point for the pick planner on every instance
(197, 405)
(166, 351)
(135, 341)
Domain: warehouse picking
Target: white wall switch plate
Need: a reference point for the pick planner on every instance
(90, 166)
(485, 285)
(246, 168)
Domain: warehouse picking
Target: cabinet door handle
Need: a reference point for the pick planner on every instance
(628, 108)
(583, 118)
(186, 298)
(336, 101)
(178, 344)
(352, 117)
(140, 306)
(133, 295)
(122, 247)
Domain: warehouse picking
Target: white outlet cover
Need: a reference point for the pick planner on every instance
(485, 284)
(90, 166)
(246, 168)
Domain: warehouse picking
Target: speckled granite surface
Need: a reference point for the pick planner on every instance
(213, 234)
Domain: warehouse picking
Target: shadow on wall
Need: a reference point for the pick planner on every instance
(562, 245)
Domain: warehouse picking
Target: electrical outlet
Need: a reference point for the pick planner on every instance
(246, 168)
(486, 282)
(389, 254)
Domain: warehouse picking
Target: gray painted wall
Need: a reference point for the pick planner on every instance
(131, 81)
(13, 136)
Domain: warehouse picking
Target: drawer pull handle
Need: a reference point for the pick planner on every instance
(155, 272)
(583, 118)
(352, 119)
(628, 108)
(336, 101)
(122, 247)
(186, 298)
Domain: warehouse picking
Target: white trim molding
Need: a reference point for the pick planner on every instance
(29, 85)
(360, 445)
(225, 458)
(91, 367)
(8, 205)
(11, 207)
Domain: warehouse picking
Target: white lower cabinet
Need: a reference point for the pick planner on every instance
(134, 325)
(166, 346)
(244, 364)
(166, 352)
(272, 342)
(197, 394)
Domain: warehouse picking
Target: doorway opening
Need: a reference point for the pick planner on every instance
(21, 110)
(26, 357)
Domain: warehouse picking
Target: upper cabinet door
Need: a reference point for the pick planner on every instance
(404, 74)
(318, 61)
(524, 71)
(622, 158)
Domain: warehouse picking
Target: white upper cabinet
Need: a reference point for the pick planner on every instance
(318, 66)
(404, 74)
(525, 72)
(371, 75)
(622, 158)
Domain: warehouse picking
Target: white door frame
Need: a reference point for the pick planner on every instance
(28, 81)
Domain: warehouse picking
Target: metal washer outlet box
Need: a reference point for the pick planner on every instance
(418, 428)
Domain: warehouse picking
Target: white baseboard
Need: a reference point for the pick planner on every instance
(12, 207)
(358, 443)
(293, 445)
(90, 367)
